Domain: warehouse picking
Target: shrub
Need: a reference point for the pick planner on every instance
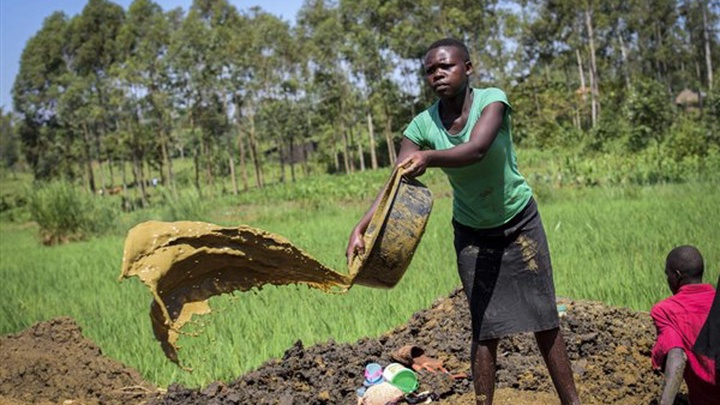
(65, 213)
(688, 137)
(649, 113)
(609, 134)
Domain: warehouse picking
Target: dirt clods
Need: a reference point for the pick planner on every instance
(609, 349)
(53, 363)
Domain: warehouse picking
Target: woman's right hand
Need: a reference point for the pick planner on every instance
(356, 244)
(414, 164)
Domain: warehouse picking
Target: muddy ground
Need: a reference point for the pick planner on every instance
(52, 363)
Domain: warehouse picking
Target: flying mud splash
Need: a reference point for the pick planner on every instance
(186, 263)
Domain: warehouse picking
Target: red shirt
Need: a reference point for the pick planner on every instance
(678, 320)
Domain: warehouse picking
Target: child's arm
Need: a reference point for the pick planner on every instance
(355, 243)
(674, 368)
(481, 137)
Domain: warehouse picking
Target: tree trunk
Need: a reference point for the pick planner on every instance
(305, 154)
(206, 155)
(623, 55)
(112, 172)
(392, 155)
(347, 159)
(351, 142)
(291, 143)
(336, 158)
(143, 189)
(139, 181)
(664, 74)
(281, 157)
(88, 160)
(241, 148)
(361, 156)
(96, 157)
(371, 135)
(536, 99)
(232, 176)
(583, 88)
(254, 153)
(593, 101)
(196, 165)
(168, 180)
(243, 160)
(126, 203)
(196, 158)
(100, 129)
(306, 161)
(569, 84)
(706, 39)
(594, 85)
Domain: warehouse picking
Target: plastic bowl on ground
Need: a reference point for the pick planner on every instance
(402, 377)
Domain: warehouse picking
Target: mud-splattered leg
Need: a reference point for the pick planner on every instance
(552, 346)
(484, 359)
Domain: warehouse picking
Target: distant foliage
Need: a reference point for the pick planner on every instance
(610, 134)
(562, 168)
(649, 113)
(66, 213)
(689, 138)
(711, 116)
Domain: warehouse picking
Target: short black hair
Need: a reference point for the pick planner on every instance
(451, 42)
(687, 260)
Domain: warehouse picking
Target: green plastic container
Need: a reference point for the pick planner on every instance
(402, 377)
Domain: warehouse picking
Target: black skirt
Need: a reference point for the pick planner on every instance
(507, 276)
(708, 340)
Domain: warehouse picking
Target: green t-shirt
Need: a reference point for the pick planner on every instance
(490, 192)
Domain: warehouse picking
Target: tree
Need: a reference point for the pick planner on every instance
(198, 66)
(144, 73)
(9, 143)
(35, 96)
(322, 28)
(700, 27)
(648, 112)
(93, 52)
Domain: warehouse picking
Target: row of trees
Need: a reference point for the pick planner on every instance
(229, 87)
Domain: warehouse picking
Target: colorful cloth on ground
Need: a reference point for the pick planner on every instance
(678, 320)
(488, 193)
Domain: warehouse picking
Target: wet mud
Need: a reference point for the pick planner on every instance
(609, 349)
(185, 263)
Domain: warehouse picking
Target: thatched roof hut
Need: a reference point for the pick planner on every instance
(688, 97)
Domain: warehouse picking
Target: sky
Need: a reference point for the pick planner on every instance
(21, 19)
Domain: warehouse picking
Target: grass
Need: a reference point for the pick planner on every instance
(610, 244)
(607, 244)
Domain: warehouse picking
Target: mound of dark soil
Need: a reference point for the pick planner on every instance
(53, 363)
(609, 349)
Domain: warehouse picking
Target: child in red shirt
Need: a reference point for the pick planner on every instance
(678, 320)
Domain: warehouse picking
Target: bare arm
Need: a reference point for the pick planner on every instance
(415, 161)
(674, 368)
(355, 243)
(482, 136)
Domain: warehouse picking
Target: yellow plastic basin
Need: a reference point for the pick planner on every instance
(393, 234)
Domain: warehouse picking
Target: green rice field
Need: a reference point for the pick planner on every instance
(607, 244)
